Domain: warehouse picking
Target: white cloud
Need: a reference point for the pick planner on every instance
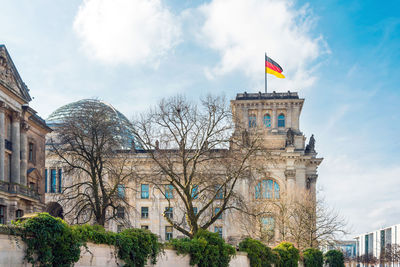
(241, 31)
(126, 31)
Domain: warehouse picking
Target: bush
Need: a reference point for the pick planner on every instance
(95, 234)
(206, 249)
(50, 241)
(259, 254)
(313, 257)
(288, 255)
(334, 258)
(135, 246)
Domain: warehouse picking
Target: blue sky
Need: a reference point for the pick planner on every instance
(342, 57)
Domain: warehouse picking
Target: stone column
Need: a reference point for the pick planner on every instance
(15, 157)
(311, 184)
(24, 152)
(2, 141)
(289, 123)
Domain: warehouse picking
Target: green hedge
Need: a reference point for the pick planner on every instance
(52, 242)
(288, 255)
(334, 258)
(206, 249)
(313, 258)
(259, 254)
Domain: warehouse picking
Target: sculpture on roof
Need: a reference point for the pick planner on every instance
(310, 148)
(290, 137)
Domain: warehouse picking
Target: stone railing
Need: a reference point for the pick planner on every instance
(18, 189)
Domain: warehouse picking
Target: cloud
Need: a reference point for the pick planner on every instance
(365, 192)
(241, 31)
(127, 31)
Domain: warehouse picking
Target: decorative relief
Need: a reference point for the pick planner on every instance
(290, 174)
(7, 73)
(311, 178)
(24, 126)
(310, 148)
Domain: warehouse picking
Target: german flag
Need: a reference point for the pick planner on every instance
(273, 68)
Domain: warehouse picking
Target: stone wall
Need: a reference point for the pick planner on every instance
(12, 254)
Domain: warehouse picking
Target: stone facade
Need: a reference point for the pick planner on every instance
(22, 146)
(272, 117)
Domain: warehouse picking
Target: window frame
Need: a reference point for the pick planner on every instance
(120, 212)
(252, 117)
(267, 120)
(268, 189)
(144, 212)
(281, 119)
(144, 194)
(3, 213)
(121, 191)
(169, 191)
(169, 212)
(53, 180)
(216, 210)
(169, 234)
(218, 230)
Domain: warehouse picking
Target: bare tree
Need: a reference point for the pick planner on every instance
(300, 218)
(199, 155)
(391, 254)
(91, 144)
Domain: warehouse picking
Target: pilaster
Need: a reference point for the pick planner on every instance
(2, 140)
(16, 142)
(24, 152)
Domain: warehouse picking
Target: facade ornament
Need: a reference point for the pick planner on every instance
(310, 148)
(157, 144)
(16, 116)
(24, 126)
(290, 174)
(311, 178)
(6, 72)
(290, 137)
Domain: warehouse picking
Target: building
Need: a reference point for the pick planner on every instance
(374, 244)
(275, 117)
(22, 146)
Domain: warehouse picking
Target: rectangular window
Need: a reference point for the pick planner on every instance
(144, 189)
(169, 191)
(144, 227)
(219, 194)
(218, 230)
(30, 154)
(168, 232)
(121, 191)
(120, 212)
(45, 180)
(195, 210)
(216, 210)
(268, 223)
(53, 173)
(19, 214)
(169, 212)
(2, 214)
(59, 180)
(195, 192)
(145, 212)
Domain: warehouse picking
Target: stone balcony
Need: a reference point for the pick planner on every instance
(17, 189)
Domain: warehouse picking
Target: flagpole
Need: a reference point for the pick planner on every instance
(265, 72)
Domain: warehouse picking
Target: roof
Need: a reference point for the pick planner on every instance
(273, 95)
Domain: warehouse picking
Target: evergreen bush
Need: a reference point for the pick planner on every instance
(259, 254)
(288, 255)
(313, 258)
(334, 258)
(206, 249)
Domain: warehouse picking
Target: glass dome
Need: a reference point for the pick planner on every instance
(125, 126)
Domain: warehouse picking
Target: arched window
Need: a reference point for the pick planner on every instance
(267, 189)
(267, 120)
(252, 121)
(281, 120)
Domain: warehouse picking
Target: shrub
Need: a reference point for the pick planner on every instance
(259, 254)
(334, 258)
(135, 246)
(95, 234)
(50, 241)
(206, 249)
(313, 257)
(288, 255)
